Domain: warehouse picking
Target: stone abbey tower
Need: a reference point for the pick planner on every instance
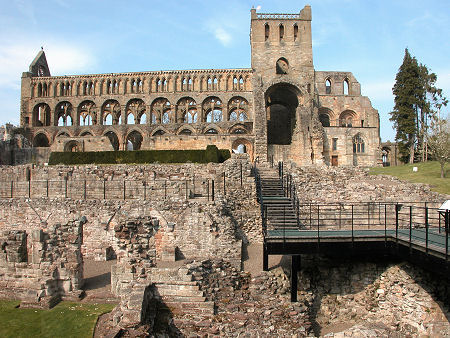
(280, 108)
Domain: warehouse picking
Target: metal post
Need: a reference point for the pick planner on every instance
(104, 189)
(207, 189)
(318, 224)
(186, 185)
(145, 190)
(385, 226)
(12, 189)
(65, 188)
(295, 267)
(241, 171)
(352, 227)
(410, 228)
(265, 258)
(396, 222)
(47, 188)
(368, 215)
(426, 229)
(84, 189)
(447, 225)
(212, 190)
(29, 189)
(165, 189)
(224, 189)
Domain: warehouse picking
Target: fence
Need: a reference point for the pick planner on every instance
(121, 189)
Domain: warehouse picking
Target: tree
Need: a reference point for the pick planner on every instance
(439, 142)
(417, 100)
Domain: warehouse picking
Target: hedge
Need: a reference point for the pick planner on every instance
(211, 154)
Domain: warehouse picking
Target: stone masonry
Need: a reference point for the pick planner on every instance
(280, 108)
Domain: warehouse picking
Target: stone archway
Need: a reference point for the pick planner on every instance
(282, 100)
(243, 146)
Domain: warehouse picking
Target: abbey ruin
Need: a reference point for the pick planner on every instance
(280, 108)
(181, 249)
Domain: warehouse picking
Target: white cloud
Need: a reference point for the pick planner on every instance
(62, 58)
(223, 36)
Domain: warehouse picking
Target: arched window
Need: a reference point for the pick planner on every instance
(346, 87)
(281, 32)
(211, 131)
(266, 32)
(134, 140)
(328, 86)
(358, 144)
(346, 118)
(325, 120)
(295, 32)
(186, 132)
(108, 120)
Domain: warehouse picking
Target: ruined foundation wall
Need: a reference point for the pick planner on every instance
(36, 265)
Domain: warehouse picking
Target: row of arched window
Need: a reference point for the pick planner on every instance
(348, 118)
(158, 84)
(281, 31)
(160, 111)
(135, 137)
(329, 87)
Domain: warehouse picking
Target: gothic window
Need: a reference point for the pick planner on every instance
(241, 83)
(266, 32)
(328, 86)
(112, 109)
(238, 108)
(295, 32)
(281, 32)
(346, 87)
(215, 84)
(235, 83)
(358, 144)
(87, 113)
(136, 109)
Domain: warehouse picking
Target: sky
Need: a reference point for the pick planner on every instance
(366, 37)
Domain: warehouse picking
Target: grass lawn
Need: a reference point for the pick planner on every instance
(66, 319)
(428, 172)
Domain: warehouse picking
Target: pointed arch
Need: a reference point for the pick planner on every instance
(111, 108)
(41, 115)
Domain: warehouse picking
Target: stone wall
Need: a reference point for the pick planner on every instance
(37, 265)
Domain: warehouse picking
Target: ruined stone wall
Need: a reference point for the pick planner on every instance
(37, 265)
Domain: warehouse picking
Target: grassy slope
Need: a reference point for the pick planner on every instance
(65, 320)
(428, 172)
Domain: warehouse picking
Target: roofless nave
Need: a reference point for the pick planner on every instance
(280, 107)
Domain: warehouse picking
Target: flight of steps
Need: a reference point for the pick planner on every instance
(179, 295)
(280, 211)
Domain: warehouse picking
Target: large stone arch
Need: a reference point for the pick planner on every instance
(87, 113)
(182, 130)
(238, 128)
(41, 139)
(238, 109)
(64, 114)
(186, 110)
(282, 100)
(212, 105)
(326, 117)
(134, 138)
(112, 108)
(41, 115)
(158, 108)
(113, 138)
(136, 107)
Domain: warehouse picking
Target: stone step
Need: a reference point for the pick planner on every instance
(178, 299)
(158, 282)
(180, 293)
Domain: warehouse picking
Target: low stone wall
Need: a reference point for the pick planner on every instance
(354, 184)
(36, 266)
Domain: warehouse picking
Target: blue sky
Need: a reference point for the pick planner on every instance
(366, 37)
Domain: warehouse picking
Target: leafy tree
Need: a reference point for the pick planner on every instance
(417, 100)
(439, 142)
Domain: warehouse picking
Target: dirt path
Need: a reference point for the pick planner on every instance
(97, 278)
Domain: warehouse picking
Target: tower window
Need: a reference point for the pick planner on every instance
(281, 32)
(328, 86)
(266, 32)
(295, 32)
(346, 87)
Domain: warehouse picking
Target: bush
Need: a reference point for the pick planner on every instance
(211, 154)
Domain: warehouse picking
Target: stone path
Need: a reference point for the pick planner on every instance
(97, 277)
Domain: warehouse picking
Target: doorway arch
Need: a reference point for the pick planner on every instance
(281, 104)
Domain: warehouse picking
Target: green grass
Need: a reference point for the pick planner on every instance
(428, 172)
(66, 319)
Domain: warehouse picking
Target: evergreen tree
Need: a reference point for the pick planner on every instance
(405, 90)
(417, 100)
